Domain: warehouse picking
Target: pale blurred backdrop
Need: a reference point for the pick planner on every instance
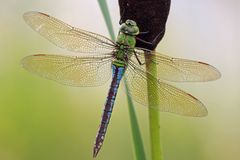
(43, 120)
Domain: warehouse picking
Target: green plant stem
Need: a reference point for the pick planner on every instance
(107, 18)
(154, 115)
(136, 134)
(137, 140)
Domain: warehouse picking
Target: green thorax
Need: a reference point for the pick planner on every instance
(126, 42)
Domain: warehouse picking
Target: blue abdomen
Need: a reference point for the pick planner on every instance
(116, 78)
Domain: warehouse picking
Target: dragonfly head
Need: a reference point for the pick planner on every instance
(130, 27)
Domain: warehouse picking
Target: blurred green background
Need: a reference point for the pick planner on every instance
(43, 120)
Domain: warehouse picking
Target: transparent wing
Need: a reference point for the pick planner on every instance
(66, 36)
(176, 69)
(70, 70)
(169, 98)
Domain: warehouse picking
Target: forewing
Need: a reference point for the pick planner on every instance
(176, 69)
(169, 98)
(66, 36)
(70, 70)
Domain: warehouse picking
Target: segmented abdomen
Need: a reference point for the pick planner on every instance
(116, 78)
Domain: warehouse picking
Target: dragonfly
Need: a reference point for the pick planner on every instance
(96, 59)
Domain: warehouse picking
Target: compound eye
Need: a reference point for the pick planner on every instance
(128, 22)
(132, 23)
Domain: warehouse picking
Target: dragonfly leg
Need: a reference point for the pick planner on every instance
(146, 42)
(154, 41)
(157, 37)
(144, 32)
(140, 63)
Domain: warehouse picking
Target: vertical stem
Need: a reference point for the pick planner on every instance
(136, 134)
(137, 140)
(154, 115)
(106, 15)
